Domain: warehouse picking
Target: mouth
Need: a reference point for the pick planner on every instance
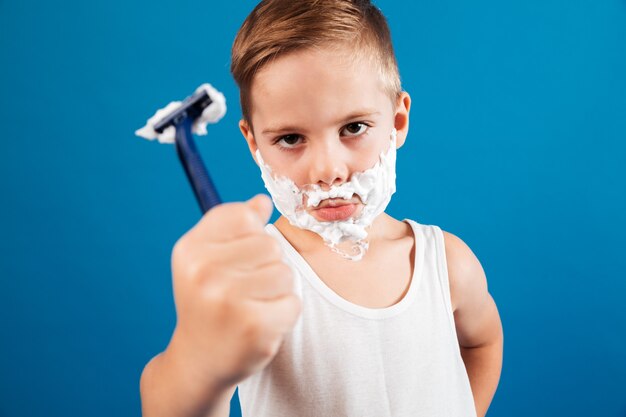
(336, 209)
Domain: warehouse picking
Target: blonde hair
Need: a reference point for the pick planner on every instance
(278, 27)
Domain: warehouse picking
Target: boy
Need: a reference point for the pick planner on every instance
(337, 309)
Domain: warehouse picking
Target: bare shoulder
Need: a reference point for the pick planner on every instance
(475, 313)
(465, 273)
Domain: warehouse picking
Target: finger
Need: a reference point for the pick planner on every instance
(233, 220)
(263, 207)
(280, 314)
(268, 283)
(251, 252)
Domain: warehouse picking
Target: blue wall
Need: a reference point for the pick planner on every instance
(517, 145)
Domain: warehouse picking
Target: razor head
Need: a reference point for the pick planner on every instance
(192, 107)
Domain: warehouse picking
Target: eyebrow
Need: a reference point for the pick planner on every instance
(291, 128)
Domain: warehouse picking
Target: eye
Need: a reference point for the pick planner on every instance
(288, 141)
(354, 129)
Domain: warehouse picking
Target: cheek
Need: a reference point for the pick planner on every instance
(366, 161)
(280, 164)
(369, 155)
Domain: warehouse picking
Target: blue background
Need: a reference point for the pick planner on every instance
(517, 145)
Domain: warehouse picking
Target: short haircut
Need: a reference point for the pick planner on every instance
(277, 27)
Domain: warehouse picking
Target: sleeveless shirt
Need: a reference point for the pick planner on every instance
(343, 359)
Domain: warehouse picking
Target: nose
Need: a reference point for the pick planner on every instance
(328, 165)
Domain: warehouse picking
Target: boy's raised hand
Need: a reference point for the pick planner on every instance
(233, 293)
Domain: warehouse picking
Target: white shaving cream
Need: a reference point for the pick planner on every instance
(211, 114)
(374, 187)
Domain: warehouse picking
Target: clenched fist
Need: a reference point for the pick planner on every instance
(233, 293)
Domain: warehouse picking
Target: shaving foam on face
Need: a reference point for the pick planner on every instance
(374, 187)
(211, 114)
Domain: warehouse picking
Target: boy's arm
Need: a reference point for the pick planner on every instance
(478, 325)
(168, 390)
(232, 312)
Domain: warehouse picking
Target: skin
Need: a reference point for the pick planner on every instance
(317, 118)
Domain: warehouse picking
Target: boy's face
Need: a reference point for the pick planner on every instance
(319, 117)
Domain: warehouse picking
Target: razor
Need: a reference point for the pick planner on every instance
(206, 105)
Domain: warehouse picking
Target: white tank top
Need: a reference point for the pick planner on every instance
(343, 359)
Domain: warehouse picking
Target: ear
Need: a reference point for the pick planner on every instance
(401, 120)
(246, 131)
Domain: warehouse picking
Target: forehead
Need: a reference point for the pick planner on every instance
(316, 86)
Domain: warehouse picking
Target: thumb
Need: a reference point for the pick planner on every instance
(262, 205)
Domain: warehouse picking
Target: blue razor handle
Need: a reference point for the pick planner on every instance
(196, 171)
(198, 176)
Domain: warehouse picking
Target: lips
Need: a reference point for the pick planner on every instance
(334, 202)
(335, 209)
(338, 213)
